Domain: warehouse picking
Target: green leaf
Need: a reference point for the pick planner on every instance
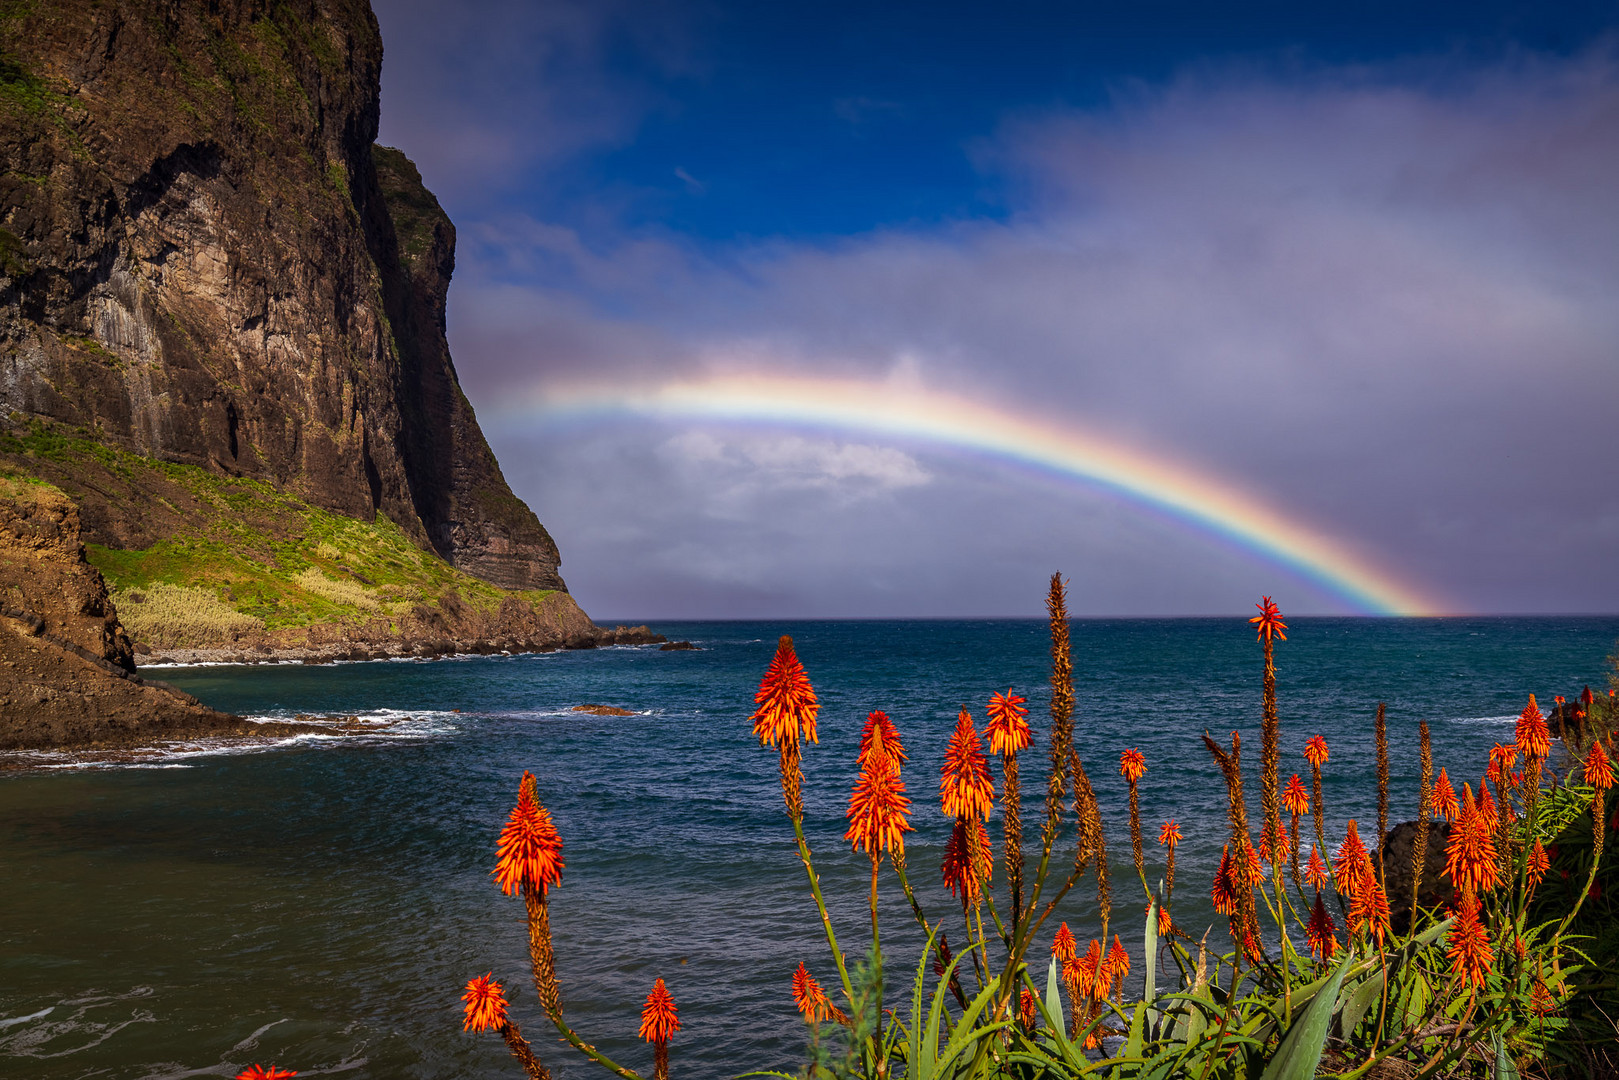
(1300, 1052)
(1505, 1069)
(1359, 1002)
(1149, 994)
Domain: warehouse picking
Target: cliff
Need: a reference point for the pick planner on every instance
(205, 261)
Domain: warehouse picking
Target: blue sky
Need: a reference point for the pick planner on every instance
(1389, 230)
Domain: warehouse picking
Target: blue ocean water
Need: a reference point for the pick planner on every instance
(320, 904)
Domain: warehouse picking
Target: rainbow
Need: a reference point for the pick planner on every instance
(898, 411)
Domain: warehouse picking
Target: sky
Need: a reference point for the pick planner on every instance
(766, 308)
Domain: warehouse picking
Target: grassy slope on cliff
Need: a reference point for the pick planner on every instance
(240, 555)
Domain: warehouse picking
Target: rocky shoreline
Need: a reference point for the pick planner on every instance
(424, 649)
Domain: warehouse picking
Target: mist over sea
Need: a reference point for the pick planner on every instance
(320, 904)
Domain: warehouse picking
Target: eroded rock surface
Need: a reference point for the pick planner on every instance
(205, 259)
(66, 669)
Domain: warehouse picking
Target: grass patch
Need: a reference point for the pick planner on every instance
(265, 555)
(180, 616)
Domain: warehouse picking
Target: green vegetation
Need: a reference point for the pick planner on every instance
(413, 208)
(243, 554)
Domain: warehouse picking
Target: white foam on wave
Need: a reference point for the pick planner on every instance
(72, 1030)
(1512, 719)
(372, 727)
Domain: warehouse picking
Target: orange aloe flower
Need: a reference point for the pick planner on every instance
(1007, 729)
(530, 849)
(1322, 932)
(1470, 953)
(1502, 758)
(1444, 798)
(879, 725)
(785, 699)
(1269, 620)
(1351, 864)
(1541, 1002)
(485, 1004)
(966, 865)
(1316, 872)
(259, 1072)
(1486, 806)
(1132, 765)
(1537, 864)
(812, 1002)
(1088, 974)
(1117, 965)
(1295, 800)
(1532, 733)
(964, 783)
(1598, 769)
(1028, 1012)
(1170, 834)
(877, 806)
(1470, 857)
(1315, 751)
(1063, 945)
(1224, 892)
(1370, 906)
(659, 1020)
(1246, 872)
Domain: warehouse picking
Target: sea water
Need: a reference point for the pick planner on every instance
(320, 904)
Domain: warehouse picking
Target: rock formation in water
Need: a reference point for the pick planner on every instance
(205, 259)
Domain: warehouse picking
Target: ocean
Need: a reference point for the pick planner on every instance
(319, 904)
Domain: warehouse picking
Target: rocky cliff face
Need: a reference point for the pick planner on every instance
(66, 668)
(204, 258)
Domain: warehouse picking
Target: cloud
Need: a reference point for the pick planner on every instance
(1381, 302)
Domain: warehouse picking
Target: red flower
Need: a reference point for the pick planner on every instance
(786, 701)
(259, 1072)
(1117, 965)
(1598, 770)
(1444, 798)
(1315, 751)
(964, 783)
(1295, 799)
(1537, 864)
(812, 1002)
(530, 850)
(1502, 758)
(1170, 834)
(1132, 765)
(1470, 857)
(1316, 872)
(1532, 733)
(877, 806)
(1585, 697)
(485, 1004)
(1225, 891)
(659, 1021)
(1063, 946)
(879, 725)
(1486, 805)
(1269, 620)
(1470, 953)
(1028, 1012)
(1351, 864)
(967, 864)
(1007, 729)
(1321, 931)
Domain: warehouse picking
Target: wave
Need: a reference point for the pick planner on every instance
(373, 727)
